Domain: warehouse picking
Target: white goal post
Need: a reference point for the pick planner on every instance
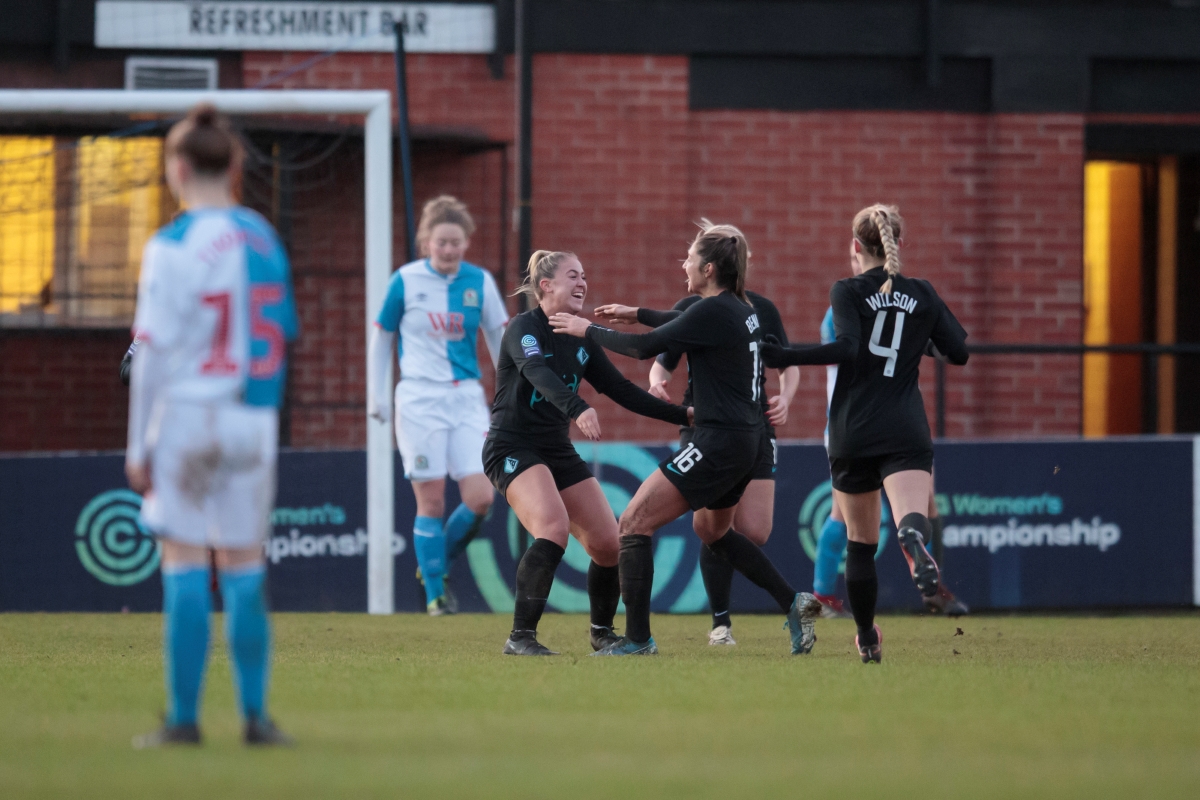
(375, 107)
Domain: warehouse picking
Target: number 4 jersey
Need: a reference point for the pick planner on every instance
(215, 298)
(879, 339)
(876, 407)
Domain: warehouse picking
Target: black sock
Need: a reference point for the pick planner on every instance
(604, 592)
(748, 559)
(535, 576)
(935, 535)
(637, 579)
(919, 523)
(718, 581)
(863, 588)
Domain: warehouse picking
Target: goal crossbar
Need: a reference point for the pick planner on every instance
(375, 107)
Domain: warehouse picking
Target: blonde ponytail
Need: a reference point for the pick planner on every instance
(543, 265)
(878, 229)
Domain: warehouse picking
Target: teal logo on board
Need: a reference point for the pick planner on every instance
(111, 542)
(815, 510)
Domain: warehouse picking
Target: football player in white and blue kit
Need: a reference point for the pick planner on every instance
(215, 312)
(434, 309)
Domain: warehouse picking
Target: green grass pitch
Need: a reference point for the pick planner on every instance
(410, 707)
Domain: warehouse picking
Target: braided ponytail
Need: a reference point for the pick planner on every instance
(878, 229)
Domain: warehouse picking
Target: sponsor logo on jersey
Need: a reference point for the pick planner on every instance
(752, 323)
(530, 345)
(894, 300)
(470, 299)
(446, 326)
(510, 465)
(572, 383)
(581, 356)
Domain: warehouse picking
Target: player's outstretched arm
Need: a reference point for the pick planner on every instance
(379, 356)
(842, 350)
(609, 381)
(691, 329)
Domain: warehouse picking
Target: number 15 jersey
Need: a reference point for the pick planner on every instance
(876, 407)
(215, 297)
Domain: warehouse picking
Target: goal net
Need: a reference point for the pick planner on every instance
(82, 189)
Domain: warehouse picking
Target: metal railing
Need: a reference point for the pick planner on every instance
(1142, 348)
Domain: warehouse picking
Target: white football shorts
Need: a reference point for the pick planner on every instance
(213, 473)
(441, 428)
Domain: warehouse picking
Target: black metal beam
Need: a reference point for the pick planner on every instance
(524, 132)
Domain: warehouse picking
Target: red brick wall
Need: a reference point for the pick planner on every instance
(61, 390)
(622, 169)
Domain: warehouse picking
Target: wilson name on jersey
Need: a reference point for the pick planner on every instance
(876, 407)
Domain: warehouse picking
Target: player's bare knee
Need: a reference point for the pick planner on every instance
(629, 524)
(604, 552)
(757, 530)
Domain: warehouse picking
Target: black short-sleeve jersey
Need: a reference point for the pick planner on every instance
(877, 407)
(721, 337)
(537, 382)
(768, 317)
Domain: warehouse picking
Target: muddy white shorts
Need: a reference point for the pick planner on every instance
(441, 428)
(213, 473)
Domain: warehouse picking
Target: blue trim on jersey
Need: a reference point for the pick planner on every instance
(468, 283)
(828, 334)
(267, 265)
(176, 229)
(393, 304)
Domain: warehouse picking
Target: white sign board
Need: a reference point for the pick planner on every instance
(281, 25)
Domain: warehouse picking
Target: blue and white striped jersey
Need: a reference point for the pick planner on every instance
(215, 296)
(437, 317)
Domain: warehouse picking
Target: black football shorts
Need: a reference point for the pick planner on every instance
(862, 475)
(504, 460)
(713, 467)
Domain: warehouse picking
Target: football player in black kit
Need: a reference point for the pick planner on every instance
(755, 514)
(721, 335)
(529, 457)
(878, 433)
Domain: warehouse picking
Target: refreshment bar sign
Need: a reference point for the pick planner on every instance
(428, 27)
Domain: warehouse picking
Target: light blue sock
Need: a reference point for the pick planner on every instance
(248, 631)
(429, 543)
(830, 547)
(186, 605)
(461, 528)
